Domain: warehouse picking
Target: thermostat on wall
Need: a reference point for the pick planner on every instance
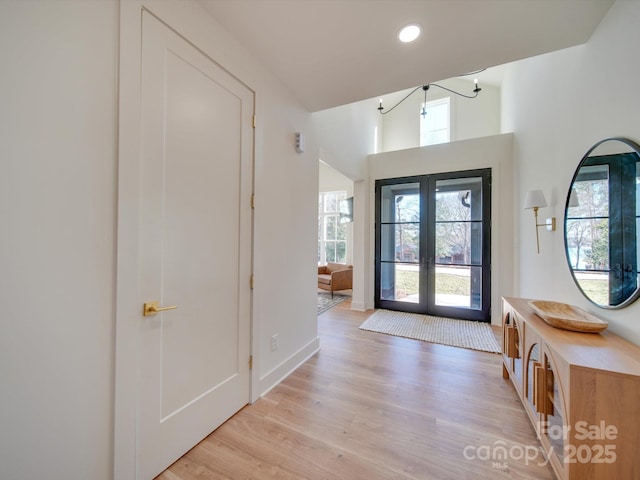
(299, 142)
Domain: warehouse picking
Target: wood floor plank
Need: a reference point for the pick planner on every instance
(300, 452)
(372, 406)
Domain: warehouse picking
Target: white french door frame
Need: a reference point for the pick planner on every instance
(127, 307)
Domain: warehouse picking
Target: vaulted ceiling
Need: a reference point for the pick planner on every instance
(334, 52)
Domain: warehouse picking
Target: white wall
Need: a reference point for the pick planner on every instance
(347, 135)
(58, 211)
(558, 105)
(361, 241)
(286, 238)
(487, 152)
(470, 118)
(58, 121)
(331, 180)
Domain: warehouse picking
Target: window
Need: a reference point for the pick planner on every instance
(435, 125)
(332, 235)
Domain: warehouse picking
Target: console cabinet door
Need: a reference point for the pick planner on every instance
(532, 365)
(513, 344)
(553, 429)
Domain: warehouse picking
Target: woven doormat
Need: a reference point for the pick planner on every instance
(446, 331)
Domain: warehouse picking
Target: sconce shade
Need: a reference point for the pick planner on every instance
(535, 199)
(573, 198)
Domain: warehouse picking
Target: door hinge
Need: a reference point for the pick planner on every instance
(254, 120)
(250, 362)
(251, 282)
(253, 200)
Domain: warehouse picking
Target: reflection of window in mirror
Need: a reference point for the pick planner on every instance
(588, 221)
(601, 225)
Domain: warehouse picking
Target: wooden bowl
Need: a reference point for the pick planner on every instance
(567, 317)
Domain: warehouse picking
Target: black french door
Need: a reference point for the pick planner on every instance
(433, 244)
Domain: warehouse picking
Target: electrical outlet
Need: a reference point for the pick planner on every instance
(275, 342)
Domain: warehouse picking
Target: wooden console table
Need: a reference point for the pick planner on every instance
(581, 392)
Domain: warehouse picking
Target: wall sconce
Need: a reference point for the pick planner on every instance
(535, 199)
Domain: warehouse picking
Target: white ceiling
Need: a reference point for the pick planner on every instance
(334, 52)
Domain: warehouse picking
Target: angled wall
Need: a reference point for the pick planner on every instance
(558, 105)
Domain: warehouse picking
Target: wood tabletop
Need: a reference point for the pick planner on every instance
(598, 351)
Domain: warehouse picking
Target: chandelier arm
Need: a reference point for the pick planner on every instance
(425, 88)
(408, 95)
(457, 93)
(475, 72)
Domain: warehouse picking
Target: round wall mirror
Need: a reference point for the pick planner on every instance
(601, 223)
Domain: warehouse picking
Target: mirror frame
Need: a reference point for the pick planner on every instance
(632, 298)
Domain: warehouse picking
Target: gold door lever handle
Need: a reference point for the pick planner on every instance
(151, 308)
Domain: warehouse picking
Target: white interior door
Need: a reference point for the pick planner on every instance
(195, 247)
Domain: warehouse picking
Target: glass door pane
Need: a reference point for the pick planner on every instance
(458, 243)
(433, 244)
(400, 243)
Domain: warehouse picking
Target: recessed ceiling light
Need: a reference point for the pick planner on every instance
(409, 33)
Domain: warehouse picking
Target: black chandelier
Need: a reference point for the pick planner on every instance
(426, 87)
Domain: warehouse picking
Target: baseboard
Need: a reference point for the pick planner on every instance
(359, 306)
(282, 371)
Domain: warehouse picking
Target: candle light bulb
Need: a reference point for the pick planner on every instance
(477, 88)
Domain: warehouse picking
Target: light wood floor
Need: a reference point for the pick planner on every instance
(371, 406)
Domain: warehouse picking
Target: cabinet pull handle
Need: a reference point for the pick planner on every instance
(549, 392)
(538, 387)
(511, 345)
